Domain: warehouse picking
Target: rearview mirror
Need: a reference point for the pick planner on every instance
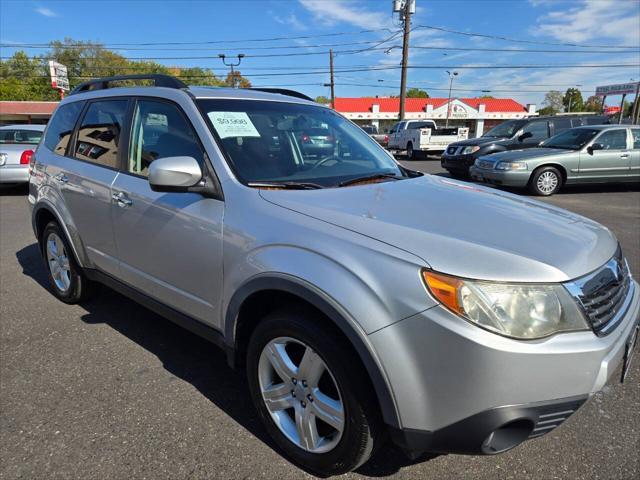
(174, 174)
(595, 146)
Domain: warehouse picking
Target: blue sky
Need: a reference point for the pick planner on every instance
(588, 22)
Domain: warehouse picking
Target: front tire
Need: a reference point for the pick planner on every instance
(411, 154)
(545, 181)
(66, 278)
(315, 405)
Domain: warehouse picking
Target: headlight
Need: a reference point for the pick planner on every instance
(524, 311)
(511, 166)
(468, 150)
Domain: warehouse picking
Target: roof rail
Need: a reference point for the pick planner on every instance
(159, 80)
(282, 91)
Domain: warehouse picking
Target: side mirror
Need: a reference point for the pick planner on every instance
(174, 174)
(595, 146)
(524, 136)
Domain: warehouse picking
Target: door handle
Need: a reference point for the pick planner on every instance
(61, 177)
(121, 199)
(624, 155)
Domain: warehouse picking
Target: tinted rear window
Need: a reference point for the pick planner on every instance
(29, 137)
(61, 126)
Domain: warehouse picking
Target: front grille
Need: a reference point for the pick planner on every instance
(604, 295)
(552, 416)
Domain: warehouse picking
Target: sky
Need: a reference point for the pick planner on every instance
(365, 36)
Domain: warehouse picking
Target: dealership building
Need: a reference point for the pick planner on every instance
(478, 114)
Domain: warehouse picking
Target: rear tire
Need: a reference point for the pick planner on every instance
(296, 332)
(66, 278)
(545, 181)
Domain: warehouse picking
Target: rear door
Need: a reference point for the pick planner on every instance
(84, 171)
(609, 163)
(169, 244)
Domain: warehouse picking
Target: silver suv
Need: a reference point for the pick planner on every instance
(366, 301)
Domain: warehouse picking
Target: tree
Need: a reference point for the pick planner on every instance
(417, 93)
(27, 78)
(572, 100)
(487, 96)
(323, 99)
(552, 102)
(593, 104)
(239, 80)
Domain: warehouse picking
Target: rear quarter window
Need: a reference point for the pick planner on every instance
(61, 126)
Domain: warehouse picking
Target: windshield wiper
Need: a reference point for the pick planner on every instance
(367, 178)
(286, 185)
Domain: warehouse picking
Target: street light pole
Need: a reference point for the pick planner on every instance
(451, 75)
(232, 65)
(405, 10)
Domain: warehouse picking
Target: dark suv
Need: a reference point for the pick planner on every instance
(511, 135)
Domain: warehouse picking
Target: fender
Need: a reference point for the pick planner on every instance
(76, 243)
(325, 304)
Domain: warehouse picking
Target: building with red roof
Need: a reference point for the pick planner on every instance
(476, 113)
(26, 112)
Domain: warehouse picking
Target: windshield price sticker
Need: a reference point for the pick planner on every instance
(233, 124)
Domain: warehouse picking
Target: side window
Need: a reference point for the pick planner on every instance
(635, 133)
(61, 126)
(613, 139)
(562, 124)
(539, 130)
(160, 130)
(100, 131)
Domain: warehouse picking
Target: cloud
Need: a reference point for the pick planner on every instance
(291, 20)
(592, 19)
(331, 12)
(47, 12)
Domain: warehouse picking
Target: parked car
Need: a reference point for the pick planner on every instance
(317, 142)
(17, 143)
(511, 135)
(372, 131)
(417, 137)
(598, 154)
(294, 268)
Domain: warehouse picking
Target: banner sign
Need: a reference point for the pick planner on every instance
(59, 79)
(620, 89)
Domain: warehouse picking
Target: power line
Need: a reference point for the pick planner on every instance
(518, 40)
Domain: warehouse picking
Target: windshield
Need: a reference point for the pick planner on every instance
(29, 137)
(278, 142)
(573, 139)
(506, 129)
(370, 129)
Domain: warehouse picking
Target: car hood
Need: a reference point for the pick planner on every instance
(478, 141)
(528, 153)
(462, 229)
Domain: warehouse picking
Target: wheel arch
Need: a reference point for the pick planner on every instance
(273, 289)
(557, 166)
(43, 213)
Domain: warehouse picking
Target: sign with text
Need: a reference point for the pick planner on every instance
(619, 89)
(59, 79)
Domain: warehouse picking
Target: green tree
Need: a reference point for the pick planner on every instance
(487, 96)
(417, 93)
(552, 102)
(27, 78)
(593, 104)
(572, 100)
(323, 99)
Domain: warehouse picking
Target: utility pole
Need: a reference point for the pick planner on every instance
(406, 8)
(231, 64)
(451, 75)
(333, 93)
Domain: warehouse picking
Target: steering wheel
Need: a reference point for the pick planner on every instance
(325, 160)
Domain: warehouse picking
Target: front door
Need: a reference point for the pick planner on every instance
(169, 244)
(610, 162)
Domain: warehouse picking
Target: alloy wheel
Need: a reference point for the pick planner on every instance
(301, 395)
(547, 182)
(58, 262)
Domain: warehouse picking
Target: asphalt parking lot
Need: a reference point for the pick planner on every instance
(108, 389)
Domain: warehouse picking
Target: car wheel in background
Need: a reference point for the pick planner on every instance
(411, 154)
(545, 181)
(68, 282)
(313, 402)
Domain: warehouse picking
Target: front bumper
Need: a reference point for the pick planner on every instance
(457, 163)
(14, 174)
(445, 371)
(507, 178)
